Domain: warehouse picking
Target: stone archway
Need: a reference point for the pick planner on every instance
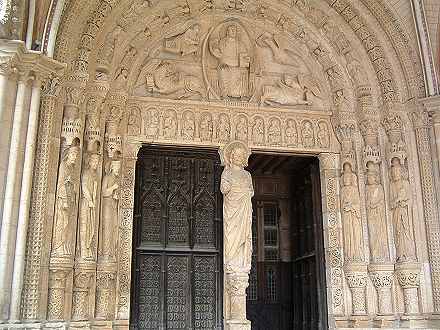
(149, 73)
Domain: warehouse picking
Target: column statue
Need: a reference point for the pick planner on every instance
(87, 219)
(236, 186)
(65, 204)
(401, 208)
(351, 216)
(109, 216)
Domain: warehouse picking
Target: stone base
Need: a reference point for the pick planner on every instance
(238, 325)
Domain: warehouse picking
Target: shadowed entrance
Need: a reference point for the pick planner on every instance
(287, 280)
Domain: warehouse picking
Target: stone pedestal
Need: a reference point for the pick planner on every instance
(236, 286)
(382, 277)
(408, 275)
(356, 275)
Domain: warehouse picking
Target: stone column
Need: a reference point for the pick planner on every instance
(66, 202)
(421, 124)
(12, 192)
(355, 266)
(401, 206)
(408, 275)
(380, 268)
(25, 195)
(329, 168)
(84, 284)
(236, 186)
(107, 266)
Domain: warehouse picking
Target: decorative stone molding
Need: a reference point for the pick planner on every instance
(408, 275)
(56, 296)
(82, 282)
(105, 295)
(356, 276)
(382, 277)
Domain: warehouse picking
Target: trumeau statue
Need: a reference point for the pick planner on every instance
(65, 204)
(375, 202)
(401, 208)
(87, 217)
(109, 213)
(237, 189)
(351, 216)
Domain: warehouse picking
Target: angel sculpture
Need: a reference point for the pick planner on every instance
(164, 78)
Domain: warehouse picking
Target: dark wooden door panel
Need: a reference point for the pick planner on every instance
(177, 241)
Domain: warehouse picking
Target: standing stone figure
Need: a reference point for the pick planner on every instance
(401, 208)
(375, 200)
(237, 189)
(351, 216)
(233, 63)
(87, 218)
(109, 216)
(65, 204)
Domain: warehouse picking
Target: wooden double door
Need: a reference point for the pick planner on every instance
(177, 241)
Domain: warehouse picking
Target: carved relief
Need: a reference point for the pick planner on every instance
(322, 136)
(108, 49)
(134, 122)
(308, 135)
(110, 211)
(56, 294)
(184, 43)
(274, 132)
(169, 124)
(287, 91)
(229, 67)
(105, 287)
(80, 300)
(291, 133)
(258, 131)
(241, 130)
(223, 128)
(375, 203)
(205, 127)
(401, 209)
(152, 123)
(351, 216)
(188, 127)
(66, 198)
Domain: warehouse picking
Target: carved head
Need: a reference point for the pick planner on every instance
(235, 153)
(115, 167)
(396, 169)
(347, 175)
(72, 155)
(231, 31)
(93, 162)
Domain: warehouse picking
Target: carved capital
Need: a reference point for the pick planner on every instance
(328, 161)
(408, 275)
(8, 65)
(131, 150)
(381, 275)
(51, 87)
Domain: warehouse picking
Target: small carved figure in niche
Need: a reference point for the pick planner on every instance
(401, 208)
(237, 189)
(206, 127)
(188, 126)
(134, 122)
(109, 215)
(323, 135)
(307, 134)
(65, 204)
(274, 132)
(152, 127)
(351, 216)
(375, 202)
(281, 56)
(87, 220)
(108, 49)
(233, 63)
(258, 131)
(121, 78)
(241, 132)
(356, 71)
(167, 80)
(169, 125)
(291, 133)
(184, 43)
(223, 128)
(287, 91)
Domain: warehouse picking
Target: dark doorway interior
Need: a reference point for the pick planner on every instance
(177, 240)
(287, 283)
